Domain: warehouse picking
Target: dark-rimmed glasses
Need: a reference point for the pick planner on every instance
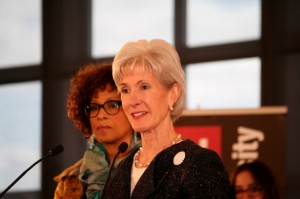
(110, 107)
(252, 191)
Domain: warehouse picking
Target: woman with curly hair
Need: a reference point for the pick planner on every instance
(95, 107)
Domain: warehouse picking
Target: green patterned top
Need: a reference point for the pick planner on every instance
(95, 168)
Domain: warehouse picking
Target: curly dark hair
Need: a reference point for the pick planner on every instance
(83, 86)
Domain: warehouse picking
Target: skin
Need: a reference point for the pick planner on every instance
(243, 181)
(111, 130)
(145, 102)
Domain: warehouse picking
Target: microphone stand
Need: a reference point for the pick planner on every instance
(52, 152)
(121, 149)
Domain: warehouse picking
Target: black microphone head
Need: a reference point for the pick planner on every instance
(123, 147)
(56, 150)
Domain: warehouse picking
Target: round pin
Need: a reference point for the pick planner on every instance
(178, 158)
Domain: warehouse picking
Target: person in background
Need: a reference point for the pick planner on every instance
(95, 107)
(150, 78)
(254, 180)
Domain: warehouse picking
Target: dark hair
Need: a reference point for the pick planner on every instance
(87, 82)
(263, 176)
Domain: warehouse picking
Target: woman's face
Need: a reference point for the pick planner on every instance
(110, 129)
(144, 99)
(246, 187)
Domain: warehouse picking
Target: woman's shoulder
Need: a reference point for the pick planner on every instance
(72, 170)
(68, 184)
(194, 148)
(205, 165)
(198, 153)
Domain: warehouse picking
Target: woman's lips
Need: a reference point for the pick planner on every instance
(138, 115)
(103, 127)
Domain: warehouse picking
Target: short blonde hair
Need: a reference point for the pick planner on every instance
(161, 59)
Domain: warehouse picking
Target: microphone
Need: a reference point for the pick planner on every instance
(54, 151)
(121, 149)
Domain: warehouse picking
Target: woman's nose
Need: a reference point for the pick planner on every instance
(101, 113)
(133, 99)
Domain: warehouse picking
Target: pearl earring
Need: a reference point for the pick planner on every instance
(171, 108)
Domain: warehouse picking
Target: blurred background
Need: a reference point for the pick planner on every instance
(236, 54)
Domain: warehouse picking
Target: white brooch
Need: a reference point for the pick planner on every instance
(178, 158)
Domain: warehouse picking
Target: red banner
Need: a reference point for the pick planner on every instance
(240, 135)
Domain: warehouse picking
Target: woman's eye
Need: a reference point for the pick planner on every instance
(238, 191)
(113, 105)
(124, 90)
(145, 87)
(255, 189)
(93, 107)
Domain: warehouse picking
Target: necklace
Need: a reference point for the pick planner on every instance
(136, 156)
(136, 160)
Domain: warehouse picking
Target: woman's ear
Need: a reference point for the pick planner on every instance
(174, 94)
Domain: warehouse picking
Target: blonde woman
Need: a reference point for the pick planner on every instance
(151, 81)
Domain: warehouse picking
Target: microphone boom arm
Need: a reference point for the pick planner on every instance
(52, 152)
(121, 149)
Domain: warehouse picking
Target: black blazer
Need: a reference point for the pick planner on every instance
(200, 175)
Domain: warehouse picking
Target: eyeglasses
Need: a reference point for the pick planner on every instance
(252, 191)
(110, 107)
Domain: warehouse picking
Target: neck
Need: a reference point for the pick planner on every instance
(112, 150)
(152, 144)
(158, 140)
